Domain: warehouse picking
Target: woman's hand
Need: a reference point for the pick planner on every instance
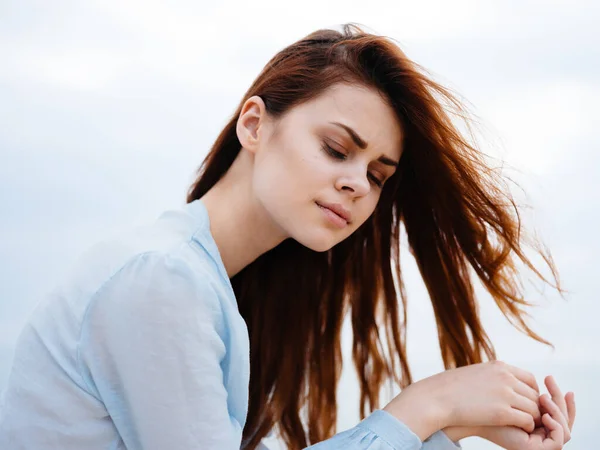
(486, 394)
(557, 420)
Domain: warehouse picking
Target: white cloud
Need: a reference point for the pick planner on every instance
(541, 121)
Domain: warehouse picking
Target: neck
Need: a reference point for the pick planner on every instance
(239, 224)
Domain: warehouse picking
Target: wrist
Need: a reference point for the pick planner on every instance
(419, 410)
(455, 434)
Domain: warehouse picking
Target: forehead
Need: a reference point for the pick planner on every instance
(361, 108)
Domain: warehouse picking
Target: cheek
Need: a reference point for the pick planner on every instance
(306, 164)
(279, 181)
(294, 171)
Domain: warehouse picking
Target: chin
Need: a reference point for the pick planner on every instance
(318, 242)
(320, 248)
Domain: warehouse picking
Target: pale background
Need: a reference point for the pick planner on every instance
(107, 107)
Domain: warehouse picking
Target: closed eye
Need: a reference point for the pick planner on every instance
(342, 157)
(332, 152)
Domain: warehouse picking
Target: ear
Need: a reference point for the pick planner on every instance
(251, 123)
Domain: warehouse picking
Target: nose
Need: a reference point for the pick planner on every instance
(354, 181)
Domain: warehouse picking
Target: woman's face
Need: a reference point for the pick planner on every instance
(306, 164)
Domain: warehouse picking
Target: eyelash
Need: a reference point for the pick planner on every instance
(340, 156)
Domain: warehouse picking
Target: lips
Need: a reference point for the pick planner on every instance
(337, 209)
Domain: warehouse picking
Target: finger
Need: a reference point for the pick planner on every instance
(557, 415)
(518, 418)
(525, 390)
(526, 377)
(556, 394)
(552, 408)
(570, 401)
(527, 405)
(556, 431)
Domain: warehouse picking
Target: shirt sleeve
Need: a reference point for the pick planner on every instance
(150, 350)
(440, 440)
(382, 431)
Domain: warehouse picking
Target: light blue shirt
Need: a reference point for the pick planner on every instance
(143, 347)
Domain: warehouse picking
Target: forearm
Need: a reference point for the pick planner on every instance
(419, 410)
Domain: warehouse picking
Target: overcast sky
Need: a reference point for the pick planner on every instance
(108, 107)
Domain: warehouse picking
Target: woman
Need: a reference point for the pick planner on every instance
(222, 320)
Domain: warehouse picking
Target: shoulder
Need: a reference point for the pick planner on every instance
(161, 285)
(164, 267)
(161, 267)
(164, 251)
(156, 309)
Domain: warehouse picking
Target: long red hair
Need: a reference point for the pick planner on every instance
(459, 217)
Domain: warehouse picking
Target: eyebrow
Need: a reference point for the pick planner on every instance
(361, 143)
